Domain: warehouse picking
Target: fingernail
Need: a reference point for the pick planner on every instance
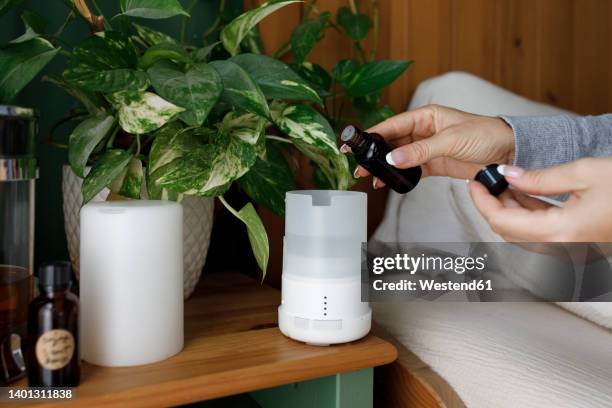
(356, 173)
(344, 148)
(374, 180)
(467, 181)
(510, 171)
(395, 157)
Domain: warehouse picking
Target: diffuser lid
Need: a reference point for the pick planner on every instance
(326, 214)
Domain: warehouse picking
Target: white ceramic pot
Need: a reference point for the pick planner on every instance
(197, 224)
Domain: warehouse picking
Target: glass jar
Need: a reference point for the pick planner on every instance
(18, 173)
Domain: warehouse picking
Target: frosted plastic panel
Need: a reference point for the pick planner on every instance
(324, 231)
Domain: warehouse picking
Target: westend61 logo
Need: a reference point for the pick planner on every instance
(423, 263)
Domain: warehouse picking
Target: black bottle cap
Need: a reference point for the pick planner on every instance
(492, 179)
(55, 274)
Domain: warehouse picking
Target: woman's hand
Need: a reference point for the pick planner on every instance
(585, 217)
(445, 142)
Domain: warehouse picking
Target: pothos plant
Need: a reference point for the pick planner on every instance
(161, 119)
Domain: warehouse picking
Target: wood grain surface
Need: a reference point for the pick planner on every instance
(232, 345)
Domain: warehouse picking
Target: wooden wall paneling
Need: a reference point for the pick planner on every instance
(475, 33)
(556, 52)
(429, 42)
(277, 27)
(591, 79)
(519, 62)
(335, 46)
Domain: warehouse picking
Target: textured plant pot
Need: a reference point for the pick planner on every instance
(197, 224)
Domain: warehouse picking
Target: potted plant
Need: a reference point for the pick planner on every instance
(160, 119)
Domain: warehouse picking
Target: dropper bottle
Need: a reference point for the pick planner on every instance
(370, 150)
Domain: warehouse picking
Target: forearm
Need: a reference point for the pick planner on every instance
(548, 141)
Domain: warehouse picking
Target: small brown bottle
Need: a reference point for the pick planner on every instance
(370, 150)
(53, 336)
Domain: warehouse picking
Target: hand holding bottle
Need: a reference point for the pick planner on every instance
(445, 142)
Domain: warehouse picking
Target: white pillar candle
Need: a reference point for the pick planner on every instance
(131, 284)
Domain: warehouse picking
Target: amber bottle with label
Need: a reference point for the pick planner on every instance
(53, 336)
(370, 150)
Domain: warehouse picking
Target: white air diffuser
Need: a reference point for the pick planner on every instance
(321, 285)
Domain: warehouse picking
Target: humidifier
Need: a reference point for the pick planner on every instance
(321, 283)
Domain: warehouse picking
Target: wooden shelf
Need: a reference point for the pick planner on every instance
(232, 345)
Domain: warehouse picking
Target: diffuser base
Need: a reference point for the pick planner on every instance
(323, 332)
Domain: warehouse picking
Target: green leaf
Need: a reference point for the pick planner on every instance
(93, 102)
(268, 180)
(374, 76)
(106, 169)
(355, 25)
(105, 63)
(143, 112)
(247, 127)
(335, 168)
(313, 136)
(153, 37)
(257, 234)
(84, 139)
(163, 51)
(34, 24)
(196, 90)
(202, 54)
(129, 182)
(171, 142)
(234, 32)
(239, 89)
(305, 36)
(316, 76)
(303, 123)
(344, 70)
(20, 63)
(154, 9)
(6, 5)
(370, 118)
(276, 79)
(208, 170)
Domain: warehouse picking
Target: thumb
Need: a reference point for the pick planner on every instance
(420, 151)
(549, 181)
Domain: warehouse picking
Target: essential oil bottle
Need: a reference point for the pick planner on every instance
(370, 150)
(53, 335)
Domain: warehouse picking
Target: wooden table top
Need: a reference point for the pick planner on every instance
(232, 346)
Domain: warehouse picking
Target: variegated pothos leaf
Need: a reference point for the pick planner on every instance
(305, 124)
(247, 127)
(143, 112)
(209, 169)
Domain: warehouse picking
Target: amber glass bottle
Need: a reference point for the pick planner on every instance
(370, 150)
(53, 335)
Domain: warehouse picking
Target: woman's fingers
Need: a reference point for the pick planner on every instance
(550, 181)
(530, 203)
(422, 151)
(515, 223)
(419, 121)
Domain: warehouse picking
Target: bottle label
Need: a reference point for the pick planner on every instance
(54, 349)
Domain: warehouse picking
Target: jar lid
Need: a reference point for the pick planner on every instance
(492, 179)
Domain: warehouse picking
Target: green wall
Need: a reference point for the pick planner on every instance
(53, 104)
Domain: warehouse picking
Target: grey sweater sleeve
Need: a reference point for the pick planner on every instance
(547, 141)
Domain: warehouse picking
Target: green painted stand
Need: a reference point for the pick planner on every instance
(344, 390)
